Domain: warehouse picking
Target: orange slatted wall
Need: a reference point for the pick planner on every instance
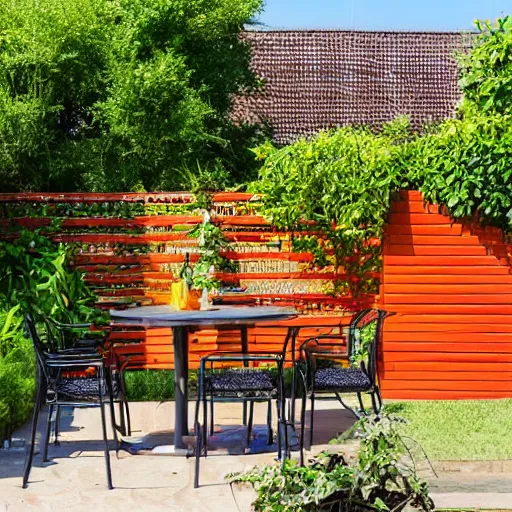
(450, 286)
(136, 259)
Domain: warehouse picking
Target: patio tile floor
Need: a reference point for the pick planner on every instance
(75, 477)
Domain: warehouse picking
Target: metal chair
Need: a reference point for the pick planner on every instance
(325, 377)
(241, 384)
(65, 338)
(56, 389)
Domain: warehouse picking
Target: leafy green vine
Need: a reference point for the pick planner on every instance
(380, 479)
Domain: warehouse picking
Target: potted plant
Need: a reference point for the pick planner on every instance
(211, 243)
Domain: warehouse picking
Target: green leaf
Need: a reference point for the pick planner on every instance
(453, 201)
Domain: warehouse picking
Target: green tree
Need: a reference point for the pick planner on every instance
(486, 77)
(342, 182)
(110, 95)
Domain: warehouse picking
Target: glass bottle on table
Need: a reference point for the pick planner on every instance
(186, 272)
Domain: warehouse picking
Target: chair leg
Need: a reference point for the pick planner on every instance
(249, 423)
(128, 420)
(302, 426)
(279, 432)
(379, 398)
(128, 424)
(122, 419)
(212, 424)
(56, 429)
(312, 420)
(199, 437)
(376, 408)
(361, 405)
(108, 382)
(283, 423)
(270, 433)
(204, 430)
(244, 413)
(48, 433)
(35, 416)
(104, 426)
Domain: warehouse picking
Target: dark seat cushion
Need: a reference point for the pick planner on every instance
(79, 389)
(241, 382)
(341, 379)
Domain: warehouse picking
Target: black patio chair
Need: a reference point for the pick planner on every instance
(239, 384)
(72, 336)
(66, 338)
(56, 386)
(326, 378)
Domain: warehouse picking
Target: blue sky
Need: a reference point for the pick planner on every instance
(382, 14)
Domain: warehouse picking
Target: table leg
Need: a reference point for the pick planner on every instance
(180, 339)
(294, 334)
(245, 349)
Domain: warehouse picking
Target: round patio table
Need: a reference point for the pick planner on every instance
(183, 322)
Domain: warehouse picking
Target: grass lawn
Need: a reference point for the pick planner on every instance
(459, 430)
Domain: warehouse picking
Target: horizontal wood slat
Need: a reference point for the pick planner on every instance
(466, 270)
(437, 250)
(465, 347)
(441, 261)
(423, 229)
(411, 219)
(450, 385)
(392, 369)
(443, 289)
(431, 394)
(462, 337)
(433, 240)
(473, 328)
(462, 309)
(446, 357)
(446, 317)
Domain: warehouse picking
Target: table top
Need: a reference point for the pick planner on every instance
(166, 316)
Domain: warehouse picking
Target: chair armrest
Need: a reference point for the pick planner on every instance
(74, 352)
(242, 357)
(127, 361)
(71, 361)
(307, 350)
(233, 358)
(85, 342)
(71, 326)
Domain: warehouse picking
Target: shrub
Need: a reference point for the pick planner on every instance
(35, 277)
(18, 386)
(379, 480)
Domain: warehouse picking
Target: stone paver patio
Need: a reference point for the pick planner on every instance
(75, 478)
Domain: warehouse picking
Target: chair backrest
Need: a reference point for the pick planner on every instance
(365, 334)
(55, 336)
(37, 343)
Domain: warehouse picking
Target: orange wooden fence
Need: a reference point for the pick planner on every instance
(136, 259)
(448, 283)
